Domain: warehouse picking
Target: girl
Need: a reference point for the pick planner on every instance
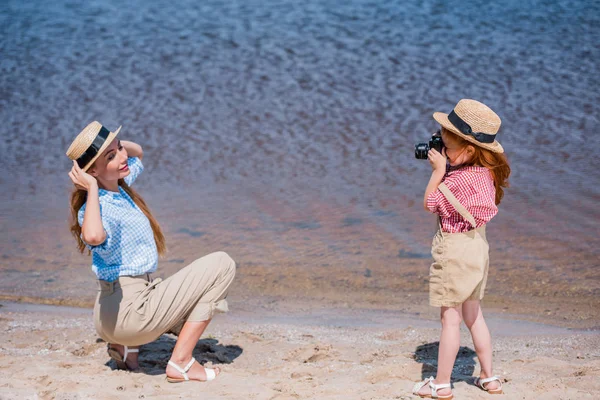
(115, 224)
(465, 196)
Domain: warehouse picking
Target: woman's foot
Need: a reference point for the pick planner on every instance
(425, 389)
(124, 361)
(196, 372)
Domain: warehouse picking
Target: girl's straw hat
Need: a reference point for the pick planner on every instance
(473, 121)
(90, 144)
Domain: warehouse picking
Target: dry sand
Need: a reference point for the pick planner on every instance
(271, 350)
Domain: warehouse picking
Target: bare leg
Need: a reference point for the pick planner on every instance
(132, 358)
(182, 353)
(449, 345)
(481, 338)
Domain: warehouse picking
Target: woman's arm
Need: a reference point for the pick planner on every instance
(133, 149)
(438, 164)
(92, 230)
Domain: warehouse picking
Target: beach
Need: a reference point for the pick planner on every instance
(283, 133)
(268, 351)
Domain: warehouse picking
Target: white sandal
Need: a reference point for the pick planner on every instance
(210, 373)
(434, 388)
(480, 383)
(121, 359)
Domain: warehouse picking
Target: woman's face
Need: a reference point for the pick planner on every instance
(112, 164)
(455, 152)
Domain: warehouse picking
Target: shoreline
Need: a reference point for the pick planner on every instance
(544, 311)
(270, 310)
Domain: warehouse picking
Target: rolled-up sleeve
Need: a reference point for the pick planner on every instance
(438, 204)
(135, 167)
(110, 228)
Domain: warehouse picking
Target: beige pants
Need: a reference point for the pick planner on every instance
(135, 310)
(460, 262)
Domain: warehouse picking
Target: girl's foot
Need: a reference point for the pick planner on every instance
(428, 387)
(195, 371)
(491, 385)
(127, 361)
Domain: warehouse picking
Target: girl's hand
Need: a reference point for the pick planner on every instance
(82, 179)
(437, 160)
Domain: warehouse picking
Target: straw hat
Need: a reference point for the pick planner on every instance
(90, 143)
(473, 121)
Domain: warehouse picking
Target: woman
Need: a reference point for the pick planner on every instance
(115, 224)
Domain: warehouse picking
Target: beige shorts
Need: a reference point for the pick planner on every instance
(460, 267)
(135, 310)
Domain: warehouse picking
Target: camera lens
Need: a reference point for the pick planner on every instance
(421, 150)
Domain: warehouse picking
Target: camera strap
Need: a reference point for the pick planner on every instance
(459, 207)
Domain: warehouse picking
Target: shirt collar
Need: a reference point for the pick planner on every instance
(452, 169)
(110, 194)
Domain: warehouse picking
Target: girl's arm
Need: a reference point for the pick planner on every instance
(434, 182)
(438, 164)
(92, 230)
(133, 149)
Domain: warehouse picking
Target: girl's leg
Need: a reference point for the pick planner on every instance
(449, 345)
(471, 310)
(182, 353)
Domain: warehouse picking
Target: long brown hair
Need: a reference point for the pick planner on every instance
(497, 163)
(79, 197)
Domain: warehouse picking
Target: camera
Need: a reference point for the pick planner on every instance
(421, 149)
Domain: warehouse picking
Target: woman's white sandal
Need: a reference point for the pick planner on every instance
(434, 388)
(210, 373)
(481, 384)
(121, 359)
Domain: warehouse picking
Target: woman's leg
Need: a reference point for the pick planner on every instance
(481, 338)
(449, 345)
(132, 358)
(182, 353)
(200, 316)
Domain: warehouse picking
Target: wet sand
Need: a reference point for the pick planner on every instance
(268, 351)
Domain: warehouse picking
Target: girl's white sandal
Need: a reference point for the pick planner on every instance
(481, 384)
(210, 373)
(434, 388)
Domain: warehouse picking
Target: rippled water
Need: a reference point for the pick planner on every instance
(283, 132)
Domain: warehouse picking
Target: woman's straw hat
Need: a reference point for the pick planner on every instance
(473, 121)
(90, 144)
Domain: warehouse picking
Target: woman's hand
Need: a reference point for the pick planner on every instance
(133, 149)
(82, 179)
(437, 160)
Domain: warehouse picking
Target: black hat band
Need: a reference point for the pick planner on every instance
(465, 128)
(96, 145)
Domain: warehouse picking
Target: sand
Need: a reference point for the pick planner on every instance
(273, 350)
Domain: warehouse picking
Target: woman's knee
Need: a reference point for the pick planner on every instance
(226, 264)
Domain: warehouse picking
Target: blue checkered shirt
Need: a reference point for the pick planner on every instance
(129, 248)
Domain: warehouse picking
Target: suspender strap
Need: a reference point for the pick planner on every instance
(459, 207)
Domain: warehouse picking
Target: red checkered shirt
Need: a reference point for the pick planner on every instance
(474, 188)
